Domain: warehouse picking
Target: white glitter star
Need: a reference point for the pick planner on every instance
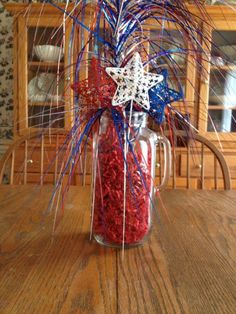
(133, 83)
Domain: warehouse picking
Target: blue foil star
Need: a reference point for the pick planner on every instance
(160, 96)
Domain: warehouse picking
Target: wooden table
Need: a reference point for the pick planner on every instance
(187, 266)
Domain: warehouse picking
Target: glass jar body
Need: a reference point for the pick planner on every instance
(123, 171)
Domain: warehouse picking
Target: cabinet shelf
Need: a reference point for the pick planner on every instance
(43, 64)
(229, 67)
(177, 66)
(220, 107)
(60, 103)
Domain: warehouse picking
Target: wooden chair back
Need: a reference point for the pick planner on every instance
(35, 158)
(196, 163)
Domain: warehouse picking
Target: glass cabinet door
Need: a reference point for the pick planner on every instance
(169, 43)
(45, 78)
(222, 83)
(169, 46)
(44, 73)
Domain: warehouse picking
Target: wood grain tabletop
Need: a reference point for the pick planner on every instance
(188, 265)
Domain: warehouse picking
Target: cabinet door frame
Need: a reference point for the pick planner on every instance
(22, 60)
(221, 25)
(187, 105)
(47, 21)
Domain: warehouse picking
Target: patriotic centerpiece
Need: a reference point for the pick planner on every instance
(128, 83)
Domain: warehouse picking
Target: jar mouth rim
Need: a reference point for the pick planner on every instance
(137, 113)
(134, 114)
(138, 118)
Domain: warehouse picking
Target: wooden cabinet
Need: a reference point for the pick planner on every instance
(209, 87)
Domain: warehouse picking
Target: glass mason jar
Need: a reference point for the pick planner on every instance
(123, 191)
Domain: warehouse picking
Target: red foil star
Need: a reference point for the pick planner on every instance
(97, 90)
